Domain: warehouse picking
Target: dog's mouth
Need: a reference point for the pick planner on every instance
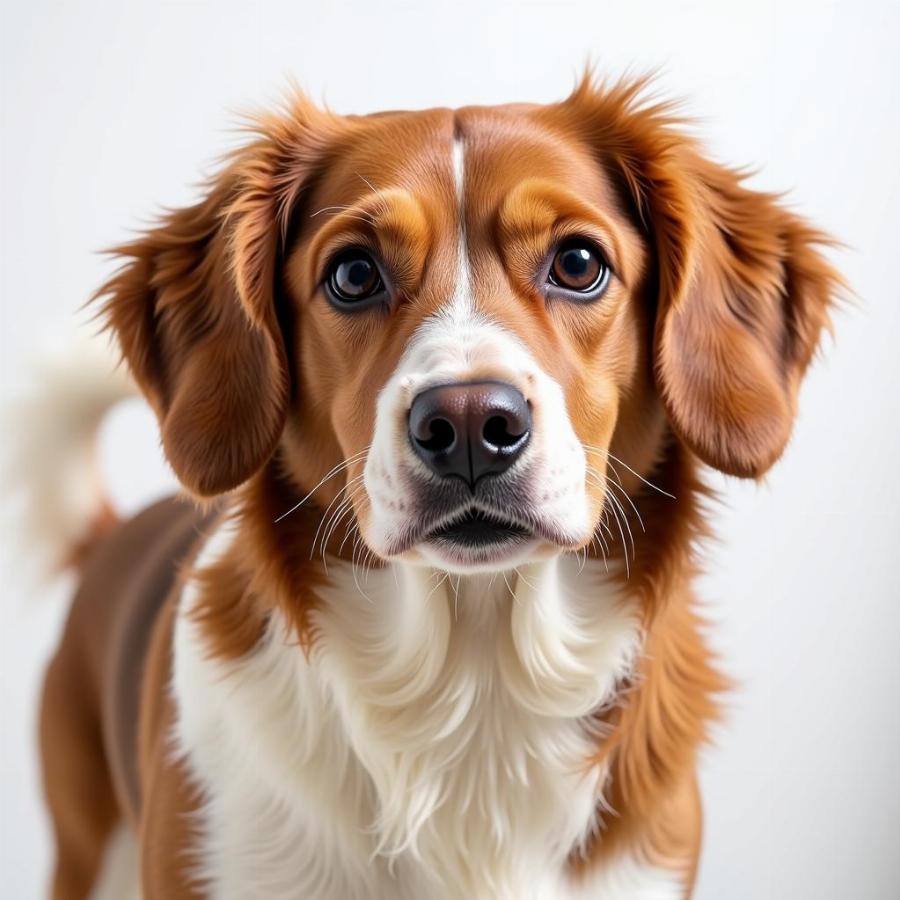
(475, 529)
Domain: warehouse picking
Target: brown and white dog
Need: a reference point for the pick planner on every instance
(450, 376)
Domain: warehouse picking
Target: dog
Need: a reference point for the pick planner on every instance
(439, 387)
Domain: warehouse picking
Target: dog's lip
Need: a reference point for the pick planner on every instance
(474, 527)
(531, 528)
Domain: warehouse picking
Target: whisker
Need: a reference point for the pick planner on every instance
(649, 484)
(348, 510)
(323, 519)
(351, 529)
(618, 485)
(604, 523)
(428, 595)
(329, 209)
(357, 543)
(340, 513)
(523, 578)
(370, 563)
(631, 504)
(622, 534)
(603, 550)
(345, 212)
(583, 560)
(620, 515)
(325, 515)
(373, 189)
(624, 518)
(338, 468)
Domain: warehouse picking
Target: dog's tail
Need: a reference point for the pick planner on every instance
(58, 506)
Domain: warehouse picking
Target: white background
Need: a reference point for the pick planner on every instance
(111, 110)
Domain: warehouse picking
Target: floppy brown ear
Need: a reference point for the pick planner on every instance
(194, 311)
(742, 318)
(743, 289)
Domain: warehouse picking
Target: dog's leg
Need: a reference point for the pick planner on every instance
(76, 778)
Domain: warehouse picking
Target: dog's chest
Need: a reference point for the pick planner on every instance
(434, 744)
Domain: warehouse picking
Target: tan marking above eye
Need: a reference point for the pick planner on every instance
(536, 214)
(391, 222)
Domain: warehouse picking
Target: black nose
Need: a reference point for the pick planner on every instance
(469, 430)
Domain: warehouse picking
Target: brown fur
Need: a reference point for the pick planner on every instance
(696, 353)
(90, 709)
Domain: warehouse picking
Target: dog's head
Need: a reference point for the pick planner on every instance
(457, 325)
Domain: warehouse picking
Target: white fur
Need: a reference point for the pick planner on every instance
(462, 304)
(432, 746)
(49, 468)
(628, 878)
(118, 879)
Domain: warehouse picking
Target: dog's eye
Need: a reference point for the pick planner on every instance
(354, 277)
(580, 267)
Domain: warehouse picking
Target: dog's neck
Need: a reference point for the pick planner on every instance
(440, 729)
(460, 691)
(462, 712)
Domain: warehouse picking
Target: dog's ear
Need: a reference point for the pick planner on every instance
(743, 290)
(194, 309)
(745, 296)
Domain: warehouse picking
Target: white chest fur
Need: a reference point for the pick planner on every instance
(432, 746)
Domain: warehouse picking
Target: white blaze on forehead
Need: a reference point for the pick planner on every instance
(459, 162)
(462, 303)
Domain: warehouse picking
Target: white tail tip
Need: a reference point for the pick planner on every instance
(49, 470)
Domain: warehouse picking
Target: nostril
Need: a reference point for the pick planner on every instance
(441, 436)
(499, 432)
(469, 429)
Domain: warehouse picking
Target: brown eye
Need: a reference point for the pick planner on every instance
(580, 267)
(353, 278)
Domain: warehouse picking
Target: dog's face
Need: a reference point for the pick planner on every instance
(471, 332)
(471, 321)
